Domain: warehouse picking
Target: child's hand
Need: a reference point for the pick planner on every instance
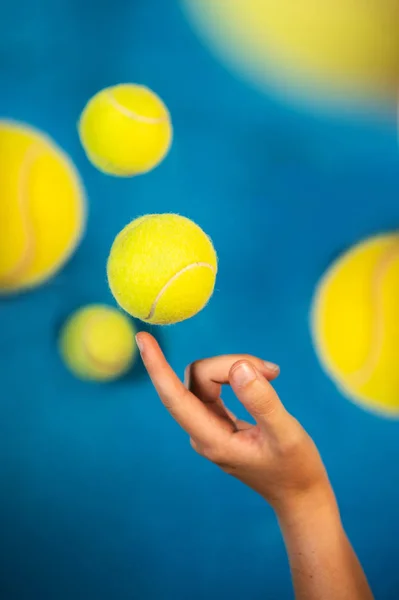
(275, 457)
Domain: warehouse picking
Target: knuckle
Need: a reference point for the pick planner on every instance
(290, 444)
(228, 468)
(261, 402)
(169, 401)
(195, 446)
(187, 375)
(196, 368)
(168, 404)
(193, 371)
(173, 401)
(207, 452)
(213, 454)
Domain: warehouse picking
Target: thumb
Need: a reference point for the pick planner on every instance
(257, 395)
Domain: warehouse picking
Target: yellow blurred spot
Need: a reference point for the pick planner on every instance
(97, 343)
(355, 323)
(42, 207)
(336, 50)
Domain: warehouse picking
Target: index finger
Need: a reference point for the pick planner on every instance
(193, 416)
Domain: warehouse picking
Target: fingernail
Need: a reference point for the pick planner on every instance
(139, 343)
(243, 374)
(271, 366)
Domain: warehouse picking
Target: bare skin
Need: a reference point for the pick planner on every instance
(275, 457)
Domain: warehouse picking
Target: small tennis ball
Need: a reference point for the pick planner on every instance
(162, 268)
(42, 207)
(125, 130)
(355, 323)
(97, 343)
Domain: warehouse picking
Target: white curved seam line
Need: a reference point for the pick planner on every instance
(133, 115)
(377, 338)
(23, 199)
(172, 280)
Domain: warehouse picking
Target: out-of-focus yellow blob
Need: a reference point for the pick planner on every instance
(42, 207)
(355, 323)
(337, 50)
(97, 343)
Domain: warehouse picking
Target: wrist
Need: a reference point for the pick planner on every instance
(318, 502)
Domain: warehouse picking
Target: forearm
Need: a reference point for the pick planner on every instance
(323, 563)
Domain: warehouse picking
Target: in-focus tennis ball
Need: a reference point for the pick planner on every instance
(125, 130)
(42, 207)
(336, 51)
(356, 326)
(162, 268)
(97, 343)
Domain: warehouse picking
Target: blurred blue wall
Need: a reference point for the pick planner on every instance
(101, 496)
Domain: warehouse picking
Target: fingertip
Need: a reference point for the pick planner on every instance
(140, 341)
(272, 371)
(144, 341)
(271, 368)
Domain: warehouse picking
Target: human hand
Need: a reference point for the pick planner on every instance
(275, 457)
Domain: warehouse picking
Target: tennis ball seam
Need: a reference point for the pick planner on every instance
(172, 280)
(131, 114)
(31, 154)
(362, 376)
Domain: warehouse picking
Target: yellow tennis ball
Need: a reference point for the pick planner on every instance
(162, 268)
(42, 207)
(125, 130)
(356, 326)
(97, 343)
(333, 50)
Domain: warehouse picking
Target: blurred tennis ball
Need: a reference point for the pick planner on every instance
(162, 268)
(330, 50)
(125, 130)
(42, 207)
(97, 343)
(355, 323)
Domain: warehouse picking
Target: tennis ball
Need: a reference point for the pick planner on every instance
(97, 342)
(334, 51)
(125, 130)
(42, 207)
(162, 268)
(355, 323)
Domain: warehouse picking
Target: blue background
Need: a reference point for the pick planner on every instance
(101, 496)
